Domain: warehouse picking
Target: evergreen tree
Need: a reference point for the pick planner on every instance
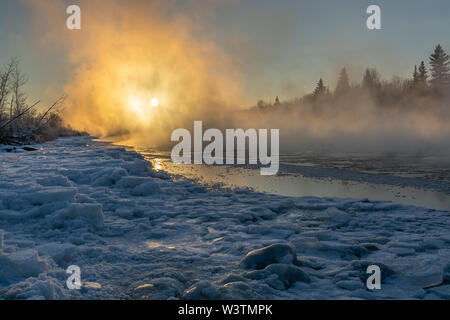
(423, 73)
(320, 89)
(343, 84)
(277, 101)
(371, 80)
(440, 68)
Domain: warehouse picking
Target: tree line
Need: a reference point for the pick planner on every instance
(425, 83)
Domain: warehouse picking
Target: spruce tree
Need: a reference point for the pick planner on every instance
(371, 81)
(320, 89)
(277, 101)
(423, 74)
(343, 84)
(440, 69)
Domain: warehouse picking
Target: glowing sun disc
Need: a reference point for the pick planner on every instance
(154, 102)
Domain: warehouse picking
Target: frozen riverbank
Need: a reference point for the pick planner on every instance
(137, 234)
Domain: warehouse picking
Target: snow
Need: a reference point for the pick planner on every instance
(137, 234)
(276, 253)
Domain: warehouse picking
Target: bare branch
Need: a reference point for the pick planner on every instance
(58, 102)
(18, 116)
(5, 78)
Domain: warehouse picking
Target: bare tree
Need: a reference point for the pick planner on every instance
(18, 80)
(5, 85)
(21, 123)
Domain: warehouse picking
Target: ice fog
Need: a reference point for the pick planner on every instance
(124, 57)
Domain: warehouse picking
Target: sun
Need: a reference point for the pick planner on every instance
(154, 102)
(142, 105)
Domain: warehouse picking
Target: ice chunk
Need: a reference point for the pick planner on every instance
(49, 181)
(51, 195)
(60, 252)
(126, 213)
(282, 206)
(42, 288)
(132, 181)
(333, 215)
(26, 263)
(275, 253)
(108, 177)
(350, 284)
(90, 212)
(139, 167)
(46, 209)
(201, 291)
(82, 198)
(287, 274)
(146, 189)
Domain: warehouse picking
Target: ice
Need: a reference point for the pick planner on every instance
(25, 263)
(442, 292)
(137, 234)
(40, 288)
(54, 181)
(60, 252)
(203, 290)
(91, 213)
(276, 253)
(279, 276)
(132, 181)
(334, 216)
(446, 272)
(139, 167)
(11, 215)
(51, 195)
(160, 289)
(107, 177)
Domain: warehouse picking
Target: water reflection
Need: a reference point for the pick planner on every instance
(154, 244)
(157, 164)
(297, 185)
(292, 183)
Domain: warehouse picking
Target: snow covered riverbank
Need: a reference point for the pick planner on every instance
(136, 234)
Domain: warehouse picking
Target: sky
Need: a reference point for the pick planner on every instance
(280, 47)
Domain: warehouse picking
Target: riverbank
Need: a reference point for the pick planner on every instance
(137, 234)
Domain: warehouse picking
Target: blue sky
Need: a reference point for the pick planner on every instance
(282, 47)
